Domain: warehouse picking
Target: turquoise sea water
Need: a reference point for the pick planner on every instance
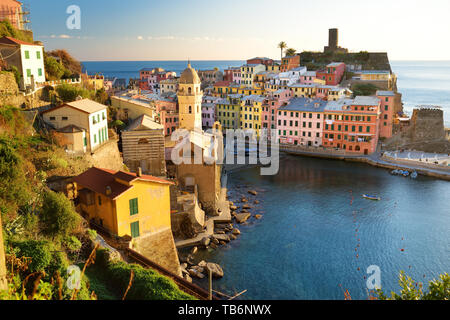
(306, 244)
(424, 82)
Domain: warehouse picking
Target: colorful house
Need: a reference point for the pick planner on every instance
(228, 111)
(352, 125)
(274, 100)
(248, 73)
(300, 122)
(27, 57)
(130, 204)
(250, 113)
(85, 122)
(387, 112)
(290, 62)
(332, 74)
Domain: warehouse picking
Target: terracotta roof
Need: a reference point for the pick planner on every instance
(222, 83)
(9, 40)
(97, 179)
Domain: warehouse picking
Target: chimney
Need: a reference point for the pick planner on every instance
(108, 190)
(139, 172)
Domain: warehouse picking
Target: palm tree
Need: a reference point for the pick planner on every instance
(282, 45)
(290, 52)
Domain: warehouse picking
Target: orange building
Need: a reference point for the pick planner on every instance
(290, 62)
(387, 113)
(352, 125)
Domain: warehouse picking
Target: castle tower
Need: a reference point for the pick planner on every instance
(190, 100)
(333, 38)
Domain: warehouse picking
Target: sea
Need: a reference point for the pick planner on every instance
(318, 238)
(420, 82)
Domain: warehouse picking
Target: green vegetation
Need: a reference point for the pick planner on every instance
(282, 45)
(291, 52)
(412, 290)
(44, 235)
(147, 284)
(8, 30)
(361, 89)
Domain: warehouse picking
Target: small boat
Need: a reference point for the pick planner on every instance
(369, 197)
(405, 173)
(395, 172)
(413, 175)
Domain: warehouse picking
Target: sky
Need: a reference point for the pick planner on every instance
(141, 30)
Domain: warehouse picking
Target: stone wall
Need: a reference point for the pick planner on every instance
(107, 156)
(160, 248)
(10, 94)
(427, 125)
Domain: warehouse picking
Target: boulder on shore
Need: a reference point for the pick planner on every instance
(243, 199)
(246, 206)
(234, 208)
(216, 270)
(253, 192)
(258, 216)
(205, 241)
(256, 202)
(202, 263)
(236, 231)
(196, 274)
(242, 217)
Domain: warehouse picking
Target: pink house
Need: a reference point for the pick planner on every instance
(273, 102)
(300, 122)
(308, 77)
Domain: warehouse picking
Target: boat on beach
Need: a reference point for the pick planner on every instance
(370, 197)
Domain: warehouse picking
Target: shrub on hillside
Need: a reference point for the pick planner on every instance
(69, 93)
(147, 283)
(58, 217)
(38, 250)
(364, 89)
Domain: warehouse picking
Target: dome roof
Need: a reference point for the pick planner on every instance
(189, 76)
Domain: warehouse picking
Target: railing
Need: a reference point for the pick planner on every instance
(58, 82)
(184, 285)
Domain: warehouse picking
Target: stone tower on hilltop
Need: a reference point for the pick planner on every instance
(190, 100)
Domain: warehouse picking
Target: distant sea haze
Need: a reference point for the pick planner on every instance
(420, 82)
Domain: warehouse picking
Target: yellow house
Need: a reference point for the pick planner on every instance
(228, 110)
(97, 82)
(124, 203)
(132, 108)
(251, 113)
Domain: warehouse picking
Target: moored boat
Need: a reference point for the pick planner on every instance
(370, 197)
(413, 175)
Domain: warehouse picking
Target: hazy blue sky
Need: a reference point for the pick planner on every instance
(239, 29)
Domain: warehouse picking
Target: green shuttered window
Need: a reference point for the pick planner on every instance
(134, 206)
(134, 229)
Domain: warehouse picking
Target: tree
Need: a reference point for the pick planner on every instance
(58, 216)
(282, 45)
(411, 290)
(361, 89)
(290, 52)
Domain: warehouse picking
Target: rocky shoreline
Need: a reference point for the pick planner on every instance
(242, 203)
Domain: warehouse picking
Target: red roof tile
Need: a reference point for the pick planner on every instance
(97, 180)
(9, 40)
